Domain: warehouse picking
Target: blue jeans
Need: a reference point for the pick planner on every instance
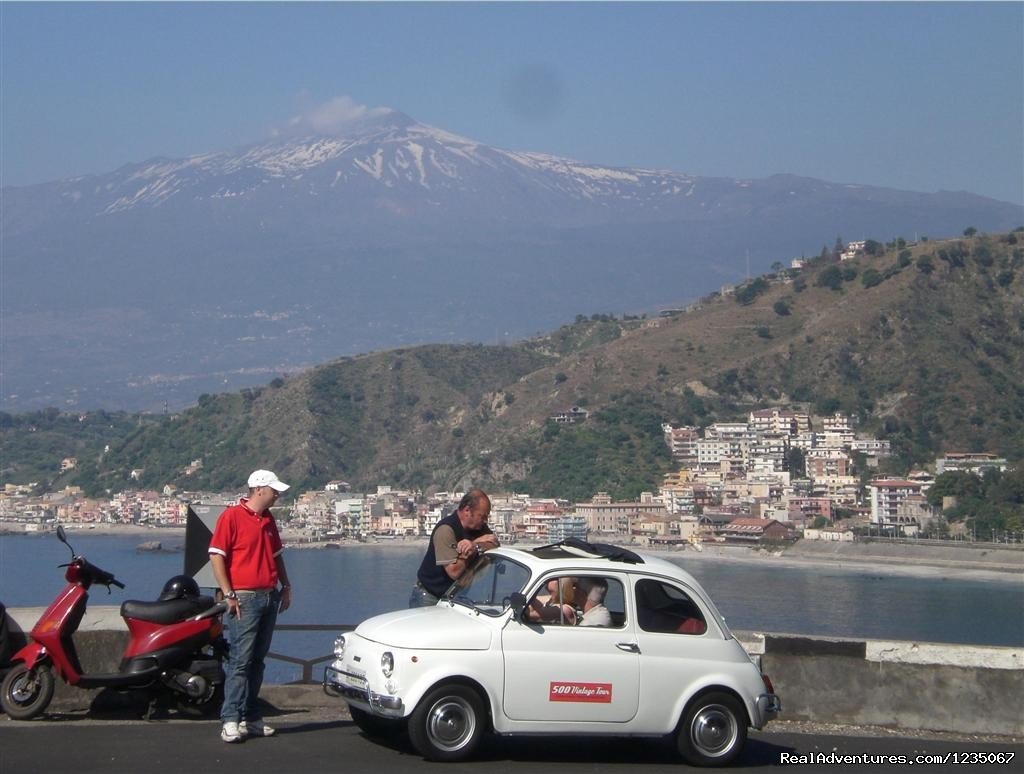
(249, 636)
(420, 597)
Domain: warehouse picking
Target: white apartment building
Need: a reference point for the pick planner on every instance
(738, 432)
(887, 495)
(837, 422)
(804, 441)
(678, 499)
(872, 446)
(835, 439)
(710, 453)
(768, 452)
(779, 421)
(843, 490)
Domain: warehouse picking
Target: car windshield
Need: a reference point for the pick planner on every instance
(490, 584)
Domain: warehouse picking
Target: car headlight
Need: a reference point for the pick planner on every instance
(339, 646)
(387, 663)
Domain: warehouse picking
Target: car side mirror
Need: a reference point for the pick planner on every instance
(518, 603)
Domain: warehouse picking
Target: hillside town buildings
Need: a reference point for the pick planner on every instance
(779, 475)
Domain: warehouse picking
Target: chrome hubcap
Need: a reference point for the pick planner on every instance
(451, 722)
(714, 730)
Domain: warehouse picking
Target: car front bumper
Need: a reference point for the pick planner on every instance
(354, 688)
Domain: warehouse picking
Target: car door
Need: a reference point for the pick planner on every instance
(678, 637)
(560, 672)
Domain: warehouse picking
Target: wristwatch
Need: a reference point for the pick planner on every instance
(231, 595)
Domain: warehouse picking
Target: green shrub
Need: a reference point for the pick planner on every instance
(870, 278)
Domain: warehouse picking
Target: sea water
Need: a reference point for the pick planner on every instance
(346, 585)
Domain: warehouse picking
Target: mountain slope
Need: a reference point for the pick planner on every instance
(160, 281)
(924, 345)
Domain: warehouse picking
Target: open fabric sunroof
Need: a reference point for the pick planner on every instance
(573, 547)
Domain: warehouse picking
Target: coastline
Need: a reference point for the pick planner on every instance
(959, 562)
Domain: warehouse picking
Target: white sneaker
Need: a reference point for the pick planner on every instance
(255, 728)
(231, 732)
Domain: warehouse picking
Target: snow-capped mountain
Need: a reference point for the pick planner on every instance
(174, 276)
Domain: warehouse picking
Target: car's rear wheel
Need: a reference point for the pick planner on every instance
(448, 723)
(713, 731)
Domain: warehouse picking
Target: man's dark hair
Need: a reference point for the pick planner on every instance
(472, 498)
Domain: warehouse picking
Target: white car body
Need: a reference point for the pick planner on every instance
(542, 678)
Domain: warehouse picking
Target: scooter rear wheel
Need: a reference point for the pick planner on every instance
(26, 692)
(204, 706)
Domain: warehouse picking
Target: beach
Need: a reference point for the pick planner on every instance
(961, 561)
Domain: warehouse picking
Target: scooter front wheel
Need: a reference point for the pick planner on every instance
(26, 692)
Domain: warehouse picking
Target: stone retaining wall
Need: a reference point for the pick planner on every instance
(902, 685)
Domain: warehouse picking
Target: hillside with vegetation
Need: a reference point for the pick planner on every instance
(923, 344)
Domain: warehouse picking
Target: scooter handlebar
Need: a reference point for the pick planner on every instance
(81, 570)
(103, 577)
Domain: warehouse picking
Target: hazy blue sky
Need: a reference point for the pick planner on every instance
(921, 96)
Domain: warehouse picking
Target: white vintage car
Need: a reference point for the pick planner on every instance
(570, 639)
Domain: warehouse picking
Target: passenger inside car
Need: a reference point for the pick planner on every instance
(590, 595)
(556, 605)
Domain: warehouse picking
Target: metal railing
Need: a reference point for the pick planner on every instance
(307, 664)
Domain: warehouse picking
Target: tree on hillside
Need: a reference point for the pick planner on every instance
(989, 504)
(748, 291)
(954, 483)
(871, 247)
(796, 462)
(832, 277)
(970, 231)
(870, 278)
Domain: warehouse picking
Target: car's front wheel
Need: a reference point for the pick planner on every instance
(713, 731)
(448, 723)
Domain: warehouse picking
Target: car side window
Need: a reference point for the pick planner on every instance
(583, 600)
(661, 607)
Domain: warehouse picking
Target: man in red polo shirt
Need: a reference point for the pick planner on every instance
(245, 553)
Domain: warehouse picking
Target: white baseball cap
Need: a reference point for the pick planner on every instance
(266, 478)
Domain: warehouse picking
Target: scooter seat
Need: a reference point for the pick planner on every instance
(167, 612)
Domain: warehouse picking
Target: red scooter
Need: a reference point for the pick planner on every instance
(174, 645)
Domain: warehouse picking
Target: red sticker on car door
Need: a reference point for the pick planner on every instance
(599, 693)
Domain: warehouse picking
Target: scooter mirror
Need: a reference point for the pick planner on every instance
(63, 538)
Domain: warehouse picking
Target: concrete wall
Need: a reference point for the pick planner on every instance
(905, 685)
(902, 685)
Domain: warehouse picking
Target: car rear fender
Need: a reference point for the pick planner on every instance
(711, 684)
